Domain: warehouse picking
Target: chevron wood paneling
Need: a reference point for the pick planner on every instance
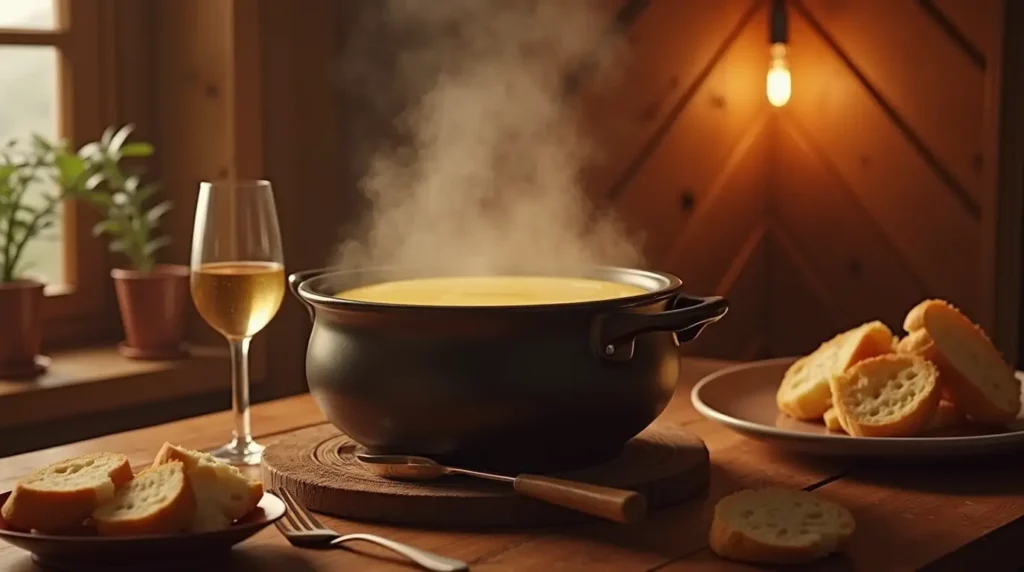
(840, 239)
(865, 194)
(912, 66)
(976, 21)
(672, 45)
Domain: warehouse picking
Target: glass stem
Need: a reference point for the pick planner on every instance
(240, 389)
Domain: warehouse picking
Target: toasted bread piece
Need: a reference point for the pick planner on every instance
(893, 395)
(223, 494)
(804, 392)
(972, 370)
(919, 343)
(59, 497)
(778, 526)
(914, 320)
(831, 419)
(158, 500)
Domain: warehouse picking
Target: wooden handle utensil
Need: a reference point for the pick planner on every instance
(605, 502)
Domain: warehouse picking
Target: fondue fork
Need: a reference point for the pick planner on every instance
(596, 500)
(304, 530)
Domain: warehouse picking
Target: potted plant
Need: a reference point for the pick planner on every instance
(151, 297)
(42, 166)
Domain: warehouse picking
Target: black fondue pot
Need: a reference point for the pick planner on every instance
(515, 388)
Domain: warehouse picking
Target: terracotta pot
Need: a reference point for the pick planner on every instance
(21, 328)
(152, 308)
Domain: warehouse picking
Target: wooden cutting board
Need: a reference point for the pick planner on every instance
(318, 466)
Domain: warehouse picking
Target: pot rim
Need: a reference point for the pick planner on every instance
(670, 286)
(160, 271)
(22, 284)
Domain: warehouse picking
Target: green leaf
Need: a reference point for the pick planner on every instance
(71, 168)
(156, 244)
(106, 226)
(120, 245)
(94, 181)
(118, 139)
(137, 149)
(89, 150)
(101, 200)
(108, 134)
(131, 183)
(154, 214)
(41, 143)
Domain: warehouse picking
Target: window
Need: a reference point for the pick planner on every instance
(51, 74)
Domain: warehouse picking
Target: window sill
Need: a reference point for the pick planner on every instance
(91, 381)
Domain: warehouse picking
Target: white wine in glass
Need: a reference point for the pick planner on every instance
(237, 285)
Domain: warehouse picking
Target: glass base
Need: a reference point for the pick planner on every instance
(239, 453)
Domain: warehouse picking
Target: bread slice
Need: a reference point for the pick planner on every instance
(919, 343)
(973, 371)
(61, 496)
(804, 392)
(893, 395)
(158, 500)
(831, 419)
(223, 494)
(916, 342)
(914, 320)
(778, 526)
(946, 415)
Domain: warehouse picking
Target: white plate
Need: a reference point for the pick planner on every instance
(184, 551)
(742, 398)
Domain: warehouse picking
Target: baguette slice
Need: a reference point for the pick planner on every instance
(61, 496)
(914, 320)
(804, 392)
(158, 500)
(223, 494)
(973, 371)
(887, 396)
(778, 526)
(919, 343)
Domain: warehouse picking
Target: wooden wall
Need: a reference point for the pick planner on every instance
(872, 189)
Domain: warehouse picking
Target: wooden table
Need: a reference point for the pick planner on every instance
(943, 516)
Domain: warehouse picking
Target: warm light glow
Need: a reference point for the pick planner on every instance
(779, 84)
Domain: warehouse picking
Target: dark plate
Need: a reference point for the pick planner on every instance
(170, 551)
(742, 398)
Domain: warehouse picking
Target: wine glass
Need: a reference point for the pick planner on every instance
(237, 285)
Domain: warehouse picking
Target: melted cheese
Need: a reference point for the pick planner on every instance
(490, 291)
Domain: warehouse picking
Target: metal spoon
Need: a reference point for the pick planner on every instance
(605, 502)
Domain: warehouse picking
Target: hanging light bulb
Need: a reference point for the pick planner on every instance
(779, 83)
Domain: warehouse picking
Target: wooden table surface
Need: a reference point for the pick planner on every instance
(958, 515)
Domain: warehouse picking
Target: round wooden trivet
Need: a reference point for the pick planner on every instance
(318, 466)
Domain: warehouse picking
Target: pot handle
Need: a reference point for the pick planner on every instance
(297, 278)
(614, 333)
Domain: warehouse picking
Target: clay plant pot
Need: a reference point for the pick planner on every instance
(21, 329)
(152, 308)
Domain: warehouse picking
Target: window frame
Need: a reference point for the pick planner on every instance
(82, 305)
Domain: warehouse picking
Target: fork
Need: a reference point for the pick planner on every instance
(304, 530)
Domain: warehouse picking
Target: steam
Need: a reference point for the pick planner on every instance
(475, 151)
